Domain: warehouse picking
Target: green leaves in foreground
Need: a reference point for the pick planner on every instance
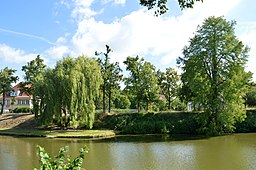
(59, 162)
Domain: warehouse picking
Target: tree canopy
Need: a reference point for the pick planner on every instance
(7, 77)
(213, 66)
(33, 71)
(160, 6)
(111, 74)
(68, 91)
(142, 81)
(169, 84)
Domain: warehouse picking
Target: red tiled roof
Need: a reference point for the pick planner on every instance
(22, 95)
(17, 86)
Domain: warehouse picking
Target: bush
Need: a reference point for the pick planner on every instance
(150, 123)
(167, 122)
(21, 110)
(249, 124)
(58, 162)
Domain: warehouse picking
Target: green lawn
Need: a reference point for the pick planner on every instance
(59, 133)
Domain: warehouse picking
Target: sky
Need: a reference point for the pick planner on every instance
(59, 28)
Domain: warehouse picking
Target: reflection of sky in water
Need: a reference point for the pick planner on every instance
(177, 155)
(225, 152)
(8, 157)
(153, 155)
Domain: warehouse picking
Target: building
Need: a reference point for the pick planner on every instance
(17, 98)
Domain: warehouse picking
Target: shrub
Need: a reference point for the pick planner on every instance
(21, 110)
(139, 123)
(58, 162)
(249, 124)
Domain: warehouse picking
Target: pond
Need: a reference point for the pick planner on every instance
(236, 151)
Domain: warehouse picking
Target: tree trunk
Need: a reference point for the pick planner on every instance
(104, 97)
(109, 101)
(3, 103)
(169, 102)
(138, 106)
(35, 107)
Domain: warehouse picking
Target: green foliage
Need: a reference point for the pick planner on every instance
(160, 6)
(33, 73)
(168, 82)
(249, 124)
(150, 123)
(141, 84)
(250, 97)
(6, 79)
(214, 78)
(60, 162)
(68, 91)
(122, 101)
(21, 110)
(111, 77)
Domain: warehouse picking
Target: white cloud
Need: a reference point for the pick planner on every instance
(143, 34)
(118, 2)
(12, 55)
(57, 52)
(121, 2)
(83, 9)
(140, 33)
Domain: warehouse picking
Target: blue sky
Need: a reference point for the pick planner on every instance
(58, 28)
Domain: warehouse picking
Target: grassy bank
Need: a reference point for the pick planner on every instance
(150, 123)
(160, 123)
(58, 133)
(128, 123)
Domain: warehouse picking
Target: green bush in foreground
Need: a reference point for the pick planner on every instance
(59, 162)
(21, 110)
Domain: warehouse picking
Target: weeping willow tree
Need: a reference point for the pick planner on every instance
(68, 91)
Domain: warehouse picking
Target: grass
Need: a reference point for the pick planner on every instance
(58, 133)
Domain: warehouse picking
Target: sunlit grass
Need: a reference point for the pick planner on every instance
(59, 133)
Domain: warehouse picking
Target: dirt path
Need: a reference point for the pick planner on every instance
(16, 120)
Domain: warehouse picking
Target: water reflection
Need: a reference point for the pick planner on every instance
(139, 152)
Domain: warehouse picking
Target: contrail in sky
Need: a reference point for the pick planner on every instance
(27, 35)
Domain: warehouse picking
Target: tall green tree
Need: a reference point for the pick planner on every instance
(149, 84)
(169, 84)
(68, 92)
(33, 71)
(160, 6)
(133, 82)
(142, 81)
(111, 74)
(113, 83)
(7, 77)
(214, 74)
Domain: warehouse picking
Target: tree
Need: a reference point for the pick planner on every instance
(6, 79)
(142, 81)
(68, 92)
(121, 100)
(160, 6)
(250, 97)
(169, 84)
(111, 77)
(214, 74)
(33, 71)
(133, 82)
(149, 86)
(114, 81)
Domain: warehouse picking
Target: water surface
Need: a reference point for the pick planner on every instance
(139, 152)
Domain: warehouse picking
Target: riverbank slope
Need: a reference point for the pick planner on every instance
(24, 124)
